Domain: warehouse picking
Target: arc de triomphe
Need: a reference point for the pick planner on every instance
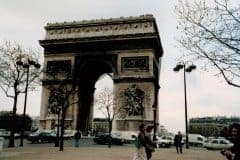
(128, 47)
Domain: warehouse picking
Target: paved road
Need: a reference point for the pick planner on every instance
(70, 142)
(90, 151)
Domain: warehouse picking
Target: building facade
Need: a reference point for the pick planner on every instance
(211, 126)
(128, 47)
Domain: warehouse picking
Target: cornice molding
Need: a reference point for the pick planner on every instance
(100, 28)
(96, 22)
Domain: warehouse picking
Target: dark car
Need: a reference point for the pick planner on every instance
(104, 139)
(41, 137)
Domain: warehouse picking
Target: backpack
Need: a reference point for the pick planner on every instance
(137, 142)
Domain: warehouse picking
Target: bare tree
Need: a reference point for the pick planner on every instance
(12, 76)
(105, 103)
(210, 32)
(63, 87)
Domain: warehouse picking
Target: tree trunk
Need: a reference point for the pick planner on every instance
(110, 136)
(62, 129)
(58, 124)
(13, 122)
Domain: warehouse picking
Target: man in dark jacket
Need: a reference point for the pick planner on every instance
(77, 137)
(178, 141)
(150, 144)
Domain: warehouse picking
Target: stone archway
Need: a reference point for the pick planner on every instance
(90, 68)
(130, 48)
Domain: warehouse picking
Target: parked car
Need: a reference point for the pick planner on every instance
(41, 136)
(160, 142)
(127, 136)
(6, 134)
(196, 139)
(69, 133)
(104, 139)
(66, 135)
(169, 138)
(217, 144)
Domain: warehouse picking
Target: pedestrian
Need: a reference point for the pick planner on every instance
(178, 142)
(77, 137)
(140, 144)
(234, 136)
(150, 144)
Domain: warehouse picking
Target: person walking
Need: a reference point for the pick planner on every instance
(77, 137)
(178, 142)
(150, 144)
(234, 136)
(140, 143)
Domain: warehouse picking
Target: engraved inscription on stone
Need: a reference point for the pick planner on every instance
(63, 66)
(135, 63)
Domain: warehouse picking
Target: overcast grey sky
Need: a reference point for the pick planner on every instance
(24, 21)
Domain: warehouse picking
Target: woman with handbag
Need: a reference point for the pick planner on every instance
(141, 144)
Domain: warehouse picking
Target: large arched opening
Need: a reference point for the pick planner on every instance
(90, 71)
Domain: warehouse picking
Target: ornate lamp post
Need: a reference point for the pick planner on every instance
(186, 68)
(26, 65)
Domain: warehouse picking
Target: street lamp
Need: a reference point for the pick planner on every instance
(26, 65)
(186, 68)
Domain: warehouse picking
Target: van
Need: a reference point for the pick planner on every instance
(196, 139)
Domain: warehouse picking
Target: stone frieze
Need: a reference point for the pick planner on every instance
(108, 27)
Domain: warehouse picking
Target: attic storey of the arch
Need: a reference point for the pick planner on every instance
(129, 48)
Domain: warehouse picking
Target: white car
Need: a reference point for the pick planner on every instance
(171, 139)
(163, 142)
(217, 144)
(66, 135)
(196, 139)
(168, 137)
(6, 134)
(127, 136)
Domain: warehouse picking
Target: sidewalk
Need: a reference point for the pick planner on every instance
(102, 152)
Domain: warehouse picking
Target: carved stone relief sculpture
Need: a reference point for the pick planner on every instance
(133, 101)
(55, 101)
